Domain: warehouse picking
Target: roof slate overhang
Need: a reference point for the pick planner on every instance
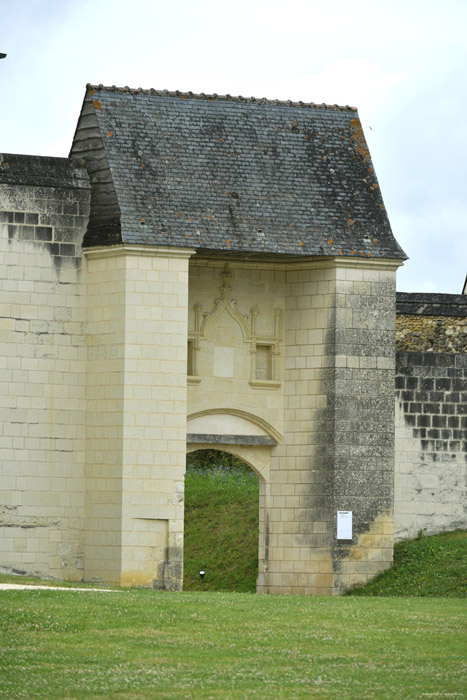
(236, 175)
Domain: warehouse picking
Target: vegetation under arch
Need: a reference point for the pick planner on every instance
(221, 523)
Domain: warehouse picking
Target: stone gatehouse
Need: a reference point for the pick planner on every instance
(202, 271)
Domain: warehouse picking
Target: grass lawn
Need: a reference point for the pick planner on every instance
(145, 644)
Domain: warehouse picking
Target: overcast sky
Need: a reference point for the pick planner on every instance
(403, 63)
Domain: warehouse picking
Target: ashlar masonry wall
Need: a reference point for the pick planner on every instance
(43, 371)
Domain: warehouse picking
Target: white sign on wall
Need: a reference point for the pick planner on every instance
(344, 524)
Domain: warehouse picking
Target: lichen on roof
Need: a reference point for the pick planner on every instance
(234, 174)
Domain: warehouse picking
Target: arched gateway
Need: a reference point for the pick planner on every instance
(208, 271)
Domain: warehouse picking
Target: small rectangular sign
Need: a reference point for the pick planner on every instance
(344, 524)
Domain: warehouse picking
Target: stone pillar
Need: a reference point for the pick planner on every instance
(338, 446)
(361, 401)
(136, 416)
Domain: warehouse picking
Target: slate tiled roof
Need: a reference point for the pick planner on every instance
(241, 175)
(42, 171)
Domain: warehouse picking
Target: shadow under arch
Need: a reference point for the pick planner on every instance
(222, 531)
(257, 457)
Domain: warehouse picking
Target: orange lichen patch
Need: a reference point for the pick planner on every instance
(300, 242)
(186, 235)
(352, 252)
(374, 240)
(221, 139)
(350, 222)
(190, 219)
(176, 213)
(153, 199)
(329, 241)
(228, 243)
(358, 137)
(340, 253)
(375, 185)
(370, 170)
(97, 104)
(92, 92)
(109, 133)
(142, 165)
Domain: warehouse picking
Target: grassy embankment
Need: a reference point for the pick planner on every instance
(221, 524)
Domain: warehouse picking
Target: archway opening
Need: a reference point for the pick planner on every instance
(221, 523)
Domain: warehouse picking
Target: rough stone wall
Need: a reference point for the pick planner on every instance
(446, 334)
(42, 365)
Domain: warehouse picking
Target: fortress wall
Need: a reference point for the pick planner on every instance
(42, 370)
(431, 414)
(431, 443)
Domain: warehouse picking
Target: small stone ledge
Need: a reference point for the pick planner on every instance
(230, 439)
(431, 304)
(42, 171)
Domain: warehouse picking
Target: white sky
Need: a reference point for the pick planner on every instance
(403, 63)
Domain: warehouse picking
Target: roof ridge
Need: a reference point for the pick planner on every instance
(214, 96)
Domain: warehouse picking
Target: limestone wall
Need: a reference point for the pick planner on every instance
(43, 371)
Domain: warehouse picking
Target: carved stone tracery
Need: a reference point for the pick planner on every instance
(246, 322)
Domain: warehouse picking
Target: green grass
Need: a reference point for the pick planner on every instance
(145, 644)
(427, 566)
(221, 528)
